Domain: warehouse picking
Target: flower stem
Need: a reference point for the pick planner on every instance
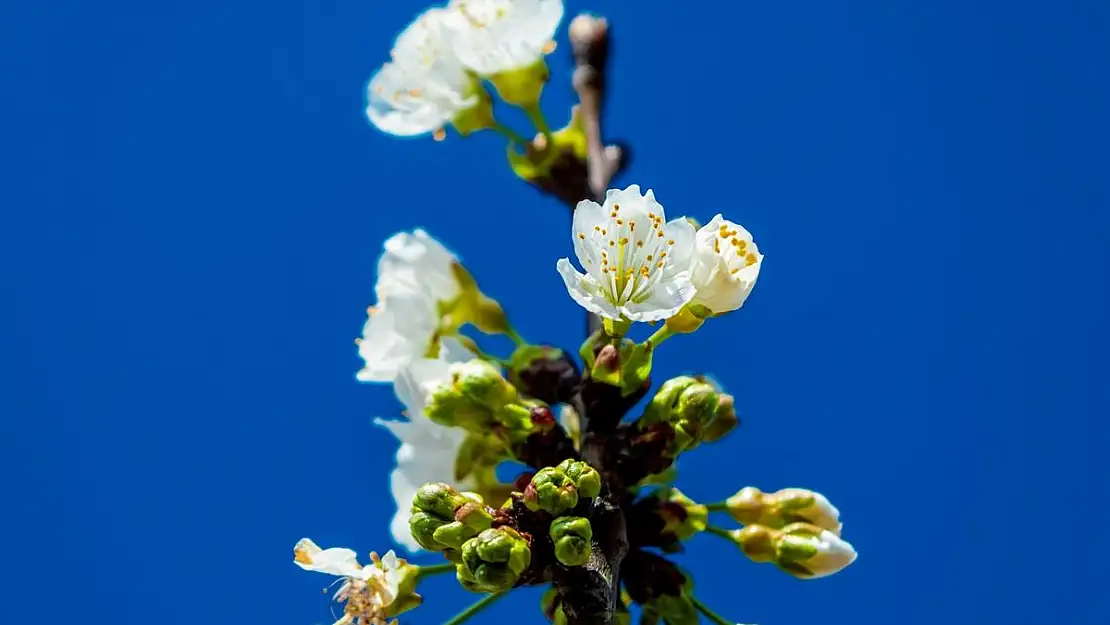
(516, 338)
(720, 531)
(472, 345)
(477, 607)
(435, 569)
(720, 506)
(709, 614)
(535, 115)
(510, 134)
(663, 333)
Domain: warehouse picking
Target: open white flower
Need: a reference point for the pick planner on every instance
(424, 87)
(369, 592)
(428, 450)
(414, 276)
(494, 36)
(637, 264)
(726, 265)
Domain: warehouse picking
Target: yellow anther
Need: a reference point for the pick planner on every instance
(620, 222)
(670, 241)
(750, 258)
(649, 258)
(662, 255)
(735, 242)
(597, 228)
(603, 233)
(734, 270)
(440, 134)
(549, 47)
(639, 243)
(612, 243)
(632, 224)
(616, 207)
(581, 236)
(416, 93)
(716, 246)
(659, 264)
(624, 241)
(660, 235)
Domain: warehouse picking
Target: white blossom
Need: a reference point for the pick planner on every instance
(424, 86)
(428, 450)
(637, 264)
(494, 36)
(414, 276)
(726, 265)
(368, 592)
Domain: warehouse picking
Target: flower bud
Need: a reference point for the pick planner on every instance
(422, 526)
(482, 382)
(438, 499)
(453, 535)
(724, 422)
(493, 560)
(688, 405)
(551, 490)
(586, 479)
(682, 516)
(802, 550)
(474, 515)
(790, 505)
(571, 536)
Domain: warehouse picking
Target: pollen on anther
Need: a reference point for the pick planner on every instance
(670, 241)
(581, 236)
(660, 235)
(639, 243)
(735, 241)
(616, 207)
(612, 243)
(620, 222)
(440, 134)
(662, 255)
(597, 228)
(659, 264)
(734, 270)
(750, 258)
(603, 233)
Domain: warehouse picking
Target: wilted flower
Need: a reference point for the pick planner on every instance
(424, 86)
(726, 265)
(637, 264)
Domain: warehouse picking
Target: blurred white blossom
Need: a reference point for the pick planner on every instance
(428, 450)
(637, 264)
(425, 86)
(368, 592)
(414, 276)
(494, 36)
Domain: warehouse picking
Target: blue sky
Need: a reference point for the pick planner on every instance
(192, 205)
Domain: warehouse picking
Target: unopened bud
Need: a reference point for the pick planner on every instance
(422, 526)
(586, 479)
(682, 516)
(482, 382)
(493, 560)
(439, 499)
(571, 536)
(688, 405)
(724, 422)
(551, 490)
(474, 515)
(789, 505)
(801, 549)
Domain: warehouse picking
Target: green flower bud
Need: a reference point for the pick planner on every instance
(422, 526)
(493, 560)
(474, 515)
(724, 422)
(482, 383)
(438, 499)
(676, 610)
(572, 536)
(447, 406)
(551, 490)
(688, 405)
(453, 535)
(683, 516)
(586, 479)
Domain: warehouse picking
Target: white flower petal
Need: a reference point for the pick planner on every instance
(493, 36)
(416, 262)
(335, 561)
(726, 263)
(398, 330)
(586, 291)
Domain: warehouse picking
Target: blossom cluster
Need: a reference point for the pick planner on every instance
(438, 62)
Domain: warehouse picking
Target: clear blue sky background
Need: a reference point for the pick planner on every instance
(192, 204)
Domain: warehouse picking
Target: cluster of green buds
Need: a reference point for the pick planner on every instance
(556, 490)
(493, 560)
(571, 536)
(477, 398)
(682, 516)
(692, 408)
(443, 519)
(803, 550)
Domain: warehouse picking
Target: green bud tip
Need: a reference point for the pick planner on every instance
(551, 490)
(571, 536)
(586, 479)
(439, 499)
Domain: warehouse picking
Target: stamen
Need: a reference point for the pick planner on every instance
(439, 135)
